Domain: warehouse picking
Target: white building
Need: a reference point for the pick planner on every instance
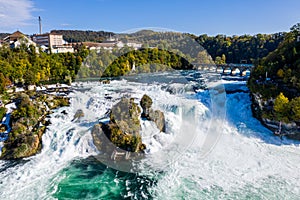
(134, 45)
(53, 42)
(62, 49)
(17, 38)
(110, 44)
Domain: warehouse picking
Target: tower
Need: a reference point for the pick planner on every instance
(40, 25)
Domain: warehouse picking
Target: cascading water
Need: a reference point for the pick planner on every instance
(247, 162)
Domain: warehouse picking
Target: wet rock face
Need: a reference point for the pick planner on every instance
(146, 103)
(28, 123)
(291, 130)
(123, 129)
(156, 116)
(126, 115)
(79, 114)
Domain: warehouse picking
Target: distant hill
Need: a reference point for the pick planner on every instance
(281, 65)
(234, 49)
(229, 49)
(246, 48)
(84, 36)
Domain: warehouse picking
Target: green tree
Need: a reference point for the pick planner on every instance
(281, 107)
(2, 83)
(280, 73)
(295, 107)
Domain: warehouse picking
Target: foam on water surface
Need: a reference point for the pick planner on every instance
(247, 161)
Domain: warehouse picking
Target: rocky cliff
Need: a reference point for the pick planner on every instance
(259, 105)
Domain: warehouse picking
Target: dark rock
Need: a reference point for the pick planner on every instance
(64, 112)
(153, 115)
(79, 114)
(126, 115)
(105, 81)
(123, 129)
(146, 103)
(158, 117)
(294, 136)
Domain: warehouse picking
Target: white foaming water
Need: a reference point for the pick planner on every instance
(62, 142)
(67, 139)
(246, 162)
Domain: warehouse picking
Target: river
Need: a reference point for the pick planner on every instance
(244, 161)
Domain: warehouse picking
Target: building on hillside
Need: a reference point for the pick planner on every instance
(65, 48)
(98, 46)
(54, 42)
(48, 39)
(132, 44)
(135, 45)
(110, 44)
(17, 38)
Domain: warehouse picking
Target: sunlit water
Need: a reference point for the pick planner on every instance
(247, 162)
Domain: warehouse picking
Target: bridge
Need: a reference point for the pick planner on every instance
(230, 69)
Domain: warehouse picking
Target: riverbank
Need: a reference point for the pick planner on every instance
(259, 109)
(26, 120)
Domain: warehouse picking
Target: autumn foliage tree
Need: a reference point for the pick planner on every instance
(281, 107)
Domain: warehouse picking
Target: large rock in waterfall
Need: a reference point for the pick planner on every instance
(146, 103)
(79, 114)
(123, 129)
(156, 116)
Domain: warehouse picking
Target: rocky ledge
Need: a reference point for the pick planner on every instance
(123, 129)
(290, 130)
(28, 123)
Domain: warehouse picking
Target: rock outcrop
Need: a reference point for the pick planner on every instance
(79, 114)
(28, 124)
(123, 128)
(290, 130)
(153, 115)
(146, 103)
(158, 118)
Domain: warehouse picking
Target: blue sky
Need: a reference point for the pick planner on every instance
(230, 17)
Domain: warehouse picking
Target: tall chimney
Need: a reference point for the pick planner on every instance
(40, 24)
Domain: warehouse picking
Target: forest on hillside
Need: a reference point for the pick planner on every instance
(127, 61)
(24, 65)
(83, 36)
(234, 49)
(277, 77)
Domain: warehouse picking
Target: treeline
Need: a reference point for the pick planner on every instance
(237, 49)
(282, 66)
(119, 63)
(25, 65)
(277, 76)
(231, 49)
(234, 49)
(83, 36)
(181, 43)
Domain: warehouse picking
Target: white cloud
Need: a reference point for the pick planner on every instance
(65, 24)
(15, 13)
